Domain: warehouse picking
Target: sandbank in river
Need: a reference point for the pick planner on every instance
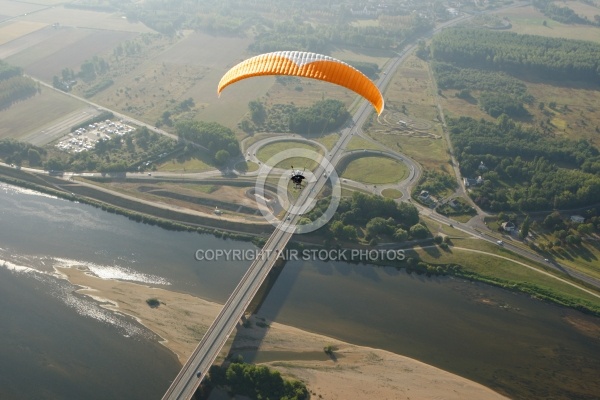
(354, 372)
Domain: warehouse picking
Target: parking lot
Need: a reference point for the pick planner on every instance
(86, 138)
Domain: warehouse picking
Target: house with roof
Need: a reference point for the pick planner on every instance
(577, 219)
(508, 226)
(473, 182)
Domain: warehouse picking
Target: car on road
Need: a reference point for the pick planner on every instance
(500, 242)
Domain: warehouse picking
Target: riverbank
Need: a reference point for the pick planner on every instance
(351, 372)
(172, 219)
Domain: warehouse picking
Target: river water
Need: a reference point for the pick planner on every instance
(56, 344)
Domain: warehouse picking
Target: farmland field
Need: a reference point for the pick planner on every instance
(84, 19)
(583, 10)
(69, 49)
(12, 9)
(34, 114)
(528, 20)
(15, 29)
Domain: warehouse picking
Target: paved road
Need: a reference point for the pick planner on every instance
(187, 381)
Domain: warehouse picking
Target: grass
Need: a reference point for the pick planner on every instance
(305, 92)
(391, 193)
(375, 170)
(410, 97)
(328, 140)
(461, 217)
(584, 257)
(359, 143)
(266, 152)
(499, 269)
(185, 165)
(437, 228)
(248, 166)
(576, 115)
(527, 20)
(253, 139)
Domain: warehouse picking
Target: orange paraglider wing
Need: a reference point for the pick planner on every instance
(309, 65)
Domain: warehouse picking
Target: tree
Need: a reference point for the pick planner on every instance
(585, 229)
(88, 71)
(54, 164)
(377, 226)
(34, 157)
(400, 235)
(258, 114)
(222, 157)
(418, 231)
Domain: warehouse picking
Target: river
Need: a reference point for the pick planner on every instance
(72, 348)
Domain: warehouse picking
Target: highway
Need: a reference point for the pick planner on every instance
(189, 378)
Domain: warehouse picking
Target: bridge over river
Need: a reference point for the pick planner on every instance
(189, 378)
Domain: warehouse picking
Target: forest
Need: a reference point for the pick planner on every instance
(517, 54)
(218, 140)
(523, 169)
(15, 152)
(323, 116)
(371, 217)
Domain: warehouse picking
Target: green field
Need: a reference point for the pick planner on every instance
(584, 257)
(359, 143)
(391, 193)
(375, 170)
(270, 150)
(185, 165)
(498, 268)
(328, 140)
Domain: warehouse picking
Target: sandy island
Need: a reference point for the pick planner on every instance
(354, 372)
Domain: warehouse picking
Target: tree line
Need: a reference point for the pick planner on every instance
(14, 86)
(564, 15)
(15, 152)
(549, 58)
(500, 93)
